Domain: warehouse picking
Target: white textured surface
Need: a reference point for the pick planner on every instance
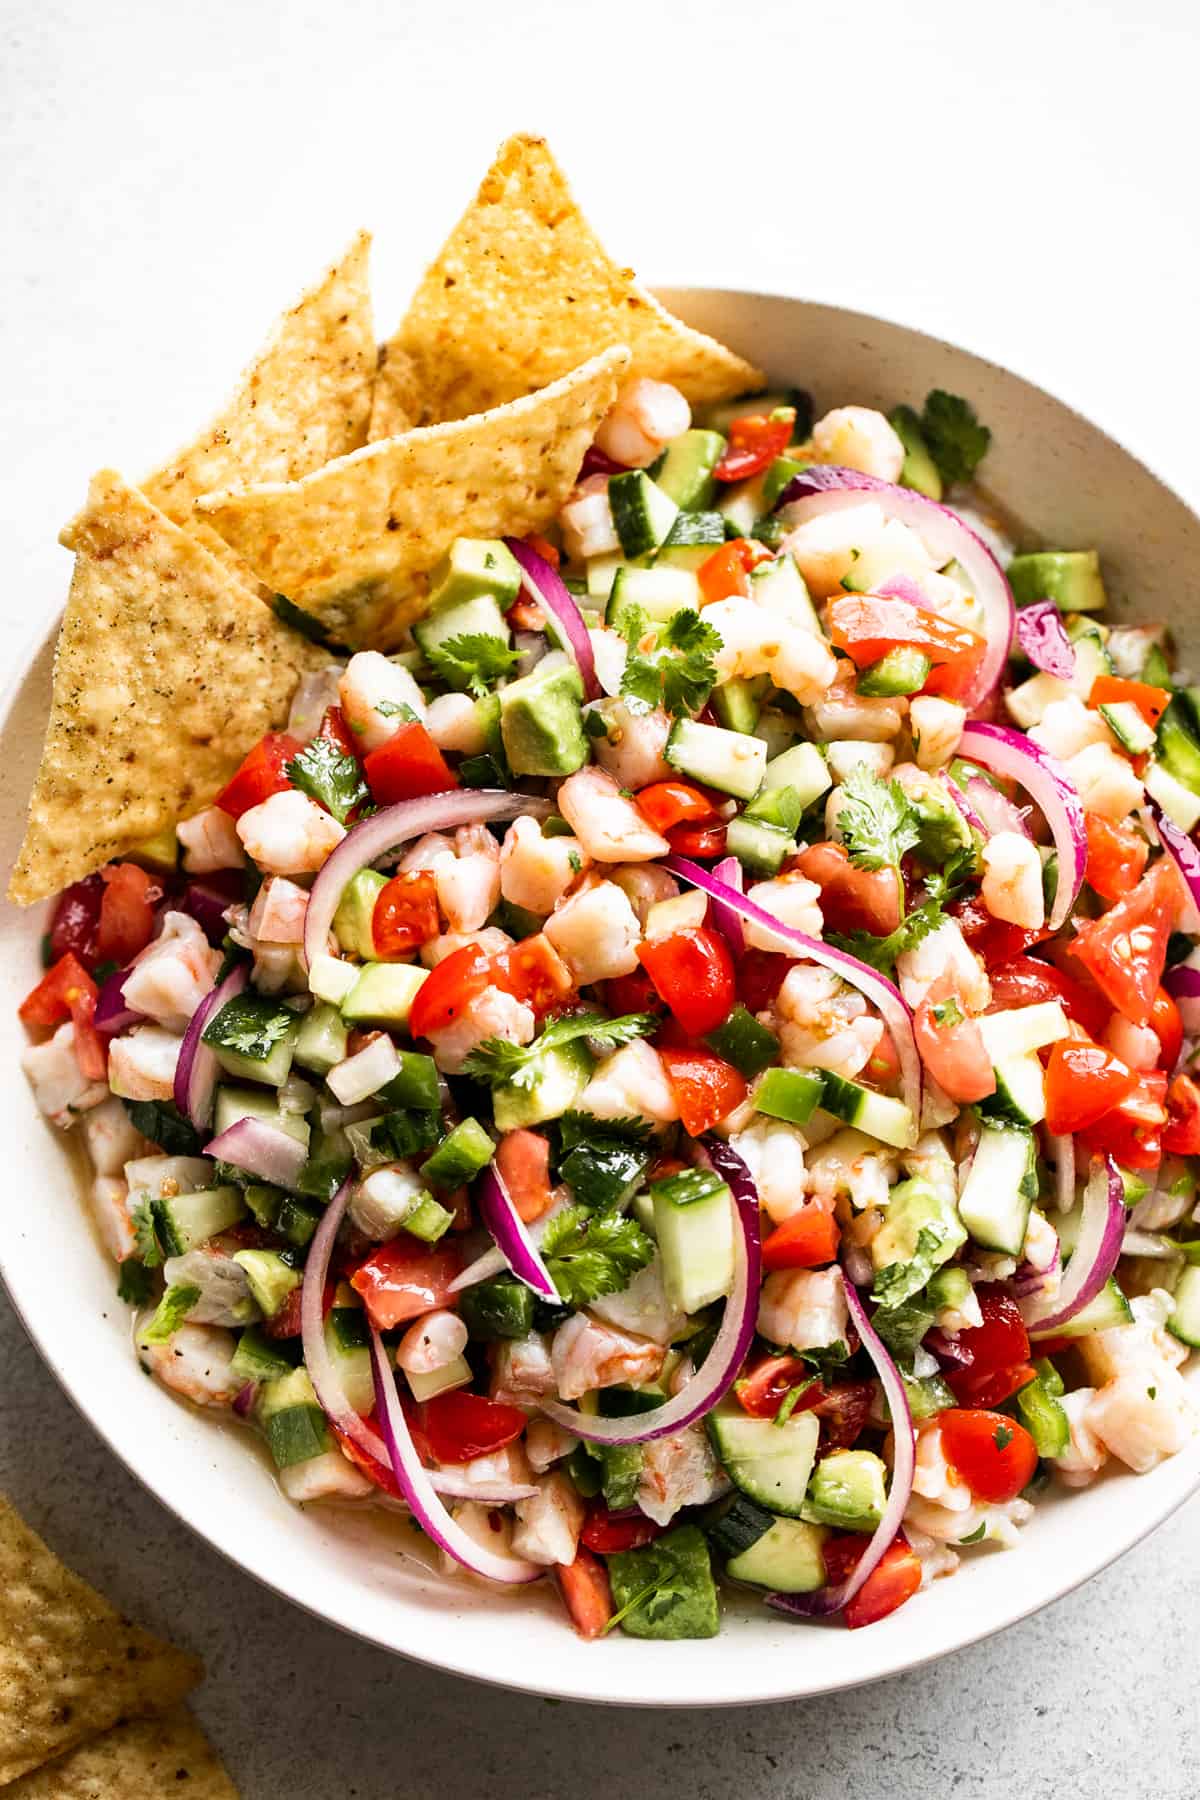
(1018, 179)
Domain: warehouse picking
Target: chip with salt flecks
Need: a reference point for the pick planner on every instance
(305, 399)
(167, 672)
(353, 543)
(522, 291)
(141, 1759)
(70, 1665)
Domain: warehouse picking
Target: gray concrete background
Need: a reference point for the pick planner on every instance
(1093, 1698)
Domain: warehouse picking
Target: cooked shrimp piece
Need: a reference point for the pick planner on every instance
(431, 1343)
(850, 1163)
(314, 695)
(857, 437)
(586, 1355)
(824, 1023)
(210, 842)
(803, 1308)
(329, 1477)
(195, 1362)
(549, 1522)
(225, 1297)
(758, 641)
(610, 827)
(944, 952)
(631, 1083)
(289, 834)
(679, 1471)
(937, 727)
(110, 1209)
(61, 1090)
(643, 1307)
(646, 885)
(644, 418)
(1012, 880)
(491, 940)
(1144, 1415)
(111, 1137)
(490, 1014)
(792, 899)
(1106, 782)
(826, 548)
(632, 748)
(596, 932)
(1085, 1455)
(172, 974)
(468, 879)
(278, 913)
(141, 1064)
(1136, 1045)
(378, 696)
(934, 1477)
(774, 1154)
(522, 1373)
(452, 721)
(536, 870)
(587, 521)
(547, 1443)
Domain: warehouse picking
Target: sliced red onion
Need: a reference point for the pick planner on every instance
(727, 922)
(1029, 1281)
(818, 490)
(828, 1600)
(870, 983)
(207, 901)
(949, 1352)
(963, 804)
(716, 1374)
(260, 1149)
(545, 585)
(197, 1068)
(1101, 1229)
(243, 1403)
(595, 462)
(112, 1014)
(492, 1262)
(502, 1219)
(389, 830)
(1184, 854)
(995, 809)
(1183, 984)
(1015, 757)
(903, 587)
(1064, 1171)
(1041, 636)
(415, 1484)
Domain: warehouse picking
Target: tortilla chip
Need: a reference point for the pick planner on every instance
(144, 1759)
(304, 400)
(523, 290)
(70, 1666)
(396, 403)
(353, 543)
(166, 673)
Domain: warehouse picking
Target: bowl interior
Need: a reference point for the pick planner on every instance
(1068, 483)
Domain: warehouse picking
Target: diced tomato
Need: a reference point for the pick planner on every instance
(448, 990)
(608, 1532)
(376, 1471)
(726, 572)
(406, 913)
(894, 1579)
(632, 993)
(1027, 982)
(704, 1085)
(843, 1411)
(401, 1280)
(336, 730)
(285, 1323)
(533, 972)
(460, 1425)
(523, 1164)
(992, 1388)
(994, 1354)
(702, 843)
(1125, 951)
(543, 547)
(760, 975)
(126, 912)
(1116, 856)
(1083, 1082)
(64, 991)
(867, 626)
(261, 774)
(952, 1048)
(1167, 1027)
(1182, 1135)
(883, 1067)
(807, 1240)
(76, 921)
(755, 440)
(852, 899)
(526, 615)
(992, 939)
(693, 971)
(994, 1454)
(1112, 690)
(668, 803)
(1132, 1131)
(586, 1593)
(407, 766)
(763, 1390)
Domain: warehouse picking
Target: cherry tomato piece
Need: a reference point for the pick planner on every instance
(1026, 981)
(994, 1455)
(700, 842)
(704, 1085)
(808, 1240)
(1132, 1131)
(693, 972)
(261, 774)
(58, 993)
(401, 1281)
(867, 626)
(586, 1593)
(406, 914)
(1116, 856)
(755, 440)
(461, 1426)
(668, 803)
(523, 1164)
(852, 899)
(1083, 1082)
(76, 921)
(894, 1579)
(407, 766)
(1167, 1027)
(1182, 1135)
(760, 975)
(1113, 690)
(608, 1532)
(126, 912)
(1125, 951)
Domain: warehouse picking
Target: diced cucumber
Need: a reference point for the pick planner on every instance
(741, 507)
(736, 702)
(903, 670)
(1018, 1030)
(802, 768)
(415, 1084)
(455, 1374)
(234, 1103)
(691, 540)
(722, 413)
(1181, 804)
(685, 470)
(742, 1041)
(1000, 1188)
(848, 1490)
(601, 573)
(1184, 1321)
(185, 1220)
(473, 568)
(1071, 578)
(1091, 658)
(1109, 1308)
(480, 617)
(659, 593)
(1179, 743)
(696, 1243)
(294, 1425)
(383, 994)
(460, 1156)
(349, 1350)
(1020, 1091)
(429, 1220)
(878, 1115)
(918, 471)
(642, 513)
(321, 1040)
(259, 1358)
(772, 1463)
(496, 1309)
(297, 1220)
(782, 471)
(726, 760)
(779, 587)
(762, 849)
(1128, 726)
(787, 1558)
(254, 1038)
(552, 1087)
(791, 1094)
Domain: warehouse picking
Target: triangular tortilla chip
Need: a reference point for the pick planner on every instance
(396, 402)
(166, 673)
(522, 291)
(145, 1759)
(305, 399)
(70, 1665)
(353, 543)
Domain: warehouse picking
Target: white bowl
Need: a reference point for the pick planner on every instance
(1066, 480)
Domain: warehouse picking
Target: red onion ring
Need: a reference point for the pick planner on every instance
(545, 585)
(243, 1404)
(197, 1069)
(512, 1237)
(1041, 636)
(819, 490)
(1015, 757)
(1184, 854)
(1064, 1171)
(995, 810)
(1183, 984)
(260, 1149)
(1101, 1229)
(415, 1484)
(828, 1600)
(727, 922)
(870, 983)
(963, 804)
(112, 1014)
(716, 1374)
(394, 827)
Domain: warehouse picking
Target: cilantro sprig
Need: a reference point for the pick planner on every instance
(329, 776)
(589, 1254)
(877, 821)
(672, 666)
(497, 1061)
(474, 662)
(957, 441)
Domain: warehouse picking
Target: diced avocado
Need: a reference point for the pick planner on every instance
(383, 994)
(736, 702)
(182, 1221)
(903, 670)
(791, 1094)
(271, 1279)
(460, 1156)
(234, 1103)
(848, 1490)
(355, 912)
(696, 1242)
(471, 568)
(918, 471)
(742, 1041)
(642, 513)
(949, 1287)
(499, 1308)
(666, 1589)
(551, 1087)
(915, 1206)
(321, 1041)
(1071, 578)
(943, 829)
(254, 1038)
(294, 1425)
(160, 852)
(541, 719)
(1179, 744)
(329, 978)
(259, 1358)
(685, 470)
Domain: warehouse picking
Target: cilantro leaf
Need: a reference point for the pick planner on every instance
(497, 1061)
(876, 819)
(900, 1281)
(902, 1325)
(474, 662)
(145, 1241)
(945, 883)
(1002, 1437)
(162, 1122)
(585, 1128)
(135, 1283)
(957, 441)
(173, 1309)
(677, 672)
(329, 776)
(589, 1254)
(251, 1025)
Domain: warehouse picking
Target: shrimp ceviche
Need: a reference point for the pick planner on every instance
(673, 1060)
